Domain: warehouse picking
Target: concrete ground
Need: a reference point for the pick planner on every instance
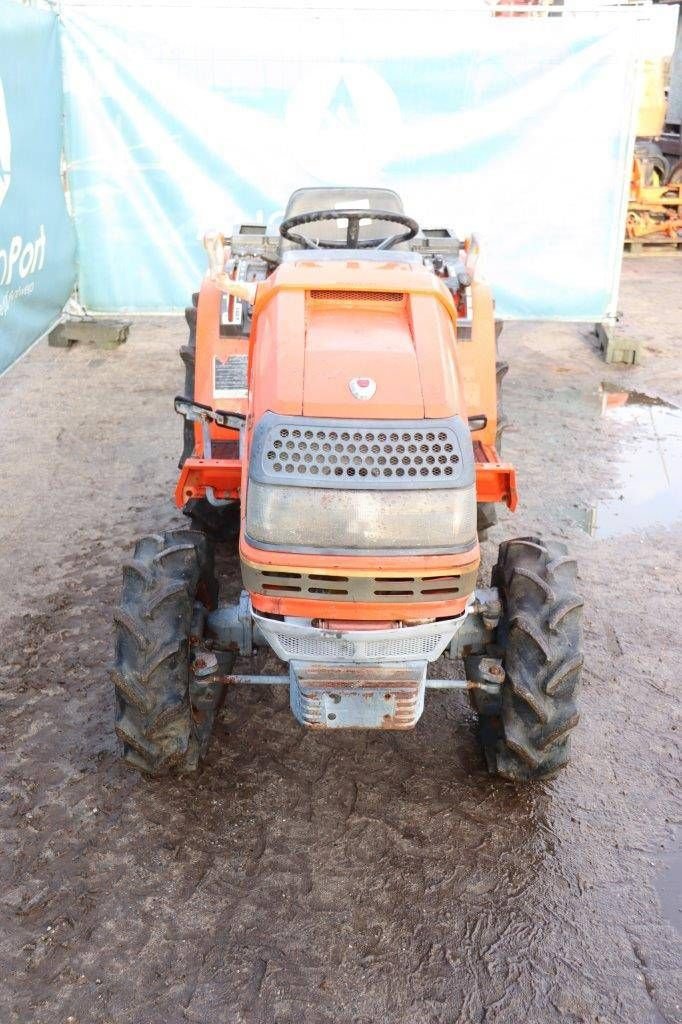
(346, 878)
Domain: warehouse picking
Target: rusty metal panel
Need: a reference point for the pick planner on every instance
(357, 696)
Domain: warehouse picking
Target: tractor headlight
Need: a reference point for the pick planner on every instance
(339, 519)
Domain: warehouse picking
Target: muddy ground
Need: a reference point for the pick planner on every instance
(346, 878)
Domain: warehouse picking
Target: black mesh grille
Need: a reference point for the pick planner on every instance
(355, 296)
(407, 454)
(362, 454)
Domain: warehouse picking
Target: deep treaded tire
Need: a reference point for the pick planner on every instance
(539, 638)
(167, 582)
(188, 356)
(501, 371)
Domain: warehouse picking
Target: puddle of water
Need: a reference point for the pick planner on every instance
(613, 396)
(648, 471)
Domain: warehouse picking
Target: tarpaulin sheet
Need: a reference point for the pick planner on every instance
(187, 118)
(37, 240)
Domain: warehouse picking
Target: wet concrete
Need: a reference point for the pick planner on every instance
(350, 878)
(647, 468)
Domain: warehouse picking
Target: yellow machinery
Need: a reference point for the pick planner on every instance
(655, 204)
(655, 210)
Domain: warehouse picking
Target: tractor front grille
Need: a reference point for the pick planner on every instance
(294, 640)
(396, 588)
(361, 454)
(399, 454)
(321, 295)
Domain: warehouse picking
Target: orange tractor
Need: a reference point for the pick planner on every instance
(342, 421)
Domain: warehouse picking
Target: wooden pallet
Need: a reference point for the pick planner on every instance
(635, 246)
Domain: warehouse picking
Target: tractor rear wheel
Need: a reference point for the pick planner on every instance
(219, 522)
(526, 734)
(487, 510)
(501, 371)
(164, 720)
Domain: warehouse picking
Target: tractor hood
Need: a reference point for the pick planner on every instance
(355, 340)
(360, 362)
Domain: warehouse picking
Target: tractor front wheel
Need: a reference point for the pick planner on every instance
(163, 719)
(526, 734)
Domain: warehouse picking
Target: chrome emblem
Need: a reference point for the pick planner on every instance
(362, 387)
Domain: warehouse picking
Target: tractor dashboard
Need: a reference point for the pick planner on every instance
(255, 251)
(257, 241)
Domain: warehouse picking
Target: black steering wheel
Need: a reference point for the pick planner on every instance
(353, 217)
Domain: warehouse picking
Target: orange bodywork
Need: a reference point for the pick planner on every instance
(223, 474)
(316, 325)
(423, 565)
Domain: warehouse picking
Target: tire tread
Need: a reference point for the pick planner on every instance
(151, 671)
(540, 637)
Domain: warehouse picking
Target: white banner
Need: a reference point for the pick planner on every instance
(186, 118)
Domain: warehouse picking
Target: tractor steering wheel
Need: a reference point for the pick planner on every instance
(353, 217)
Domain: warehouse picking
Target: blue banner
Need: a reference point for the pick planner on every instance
(183, 119)
(37, 239)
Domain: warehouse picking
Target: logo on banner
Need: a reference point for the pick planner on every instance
(346, 122)
(20, 258)
(5, 146)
